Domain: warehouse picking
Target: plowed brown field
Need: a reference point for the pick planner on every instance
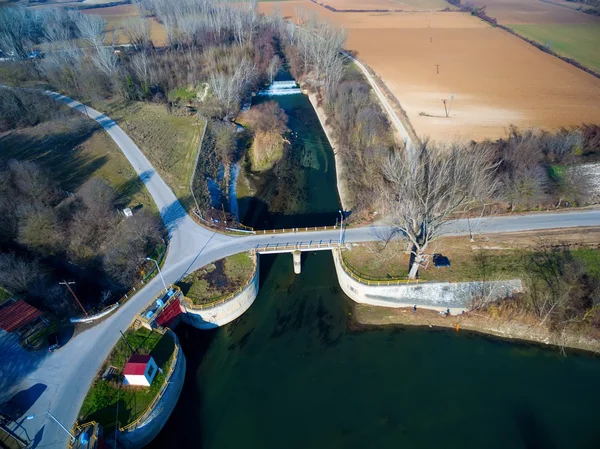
(406, 5)
(497, 79)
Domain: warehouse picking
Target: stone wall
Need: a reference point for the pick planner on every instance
(224, 312)
(456, 296)
(148, 429)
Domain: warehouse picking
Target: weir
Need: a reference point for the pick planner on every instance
(281, 88)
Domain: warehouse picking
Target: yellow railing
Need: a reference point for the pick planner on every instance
(364, 279)
(150, 408)
(78, 428)
(192, 306)
(290, 246)
(299, 229)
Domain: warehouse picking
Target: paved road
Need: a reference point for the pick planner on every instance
(66, 374)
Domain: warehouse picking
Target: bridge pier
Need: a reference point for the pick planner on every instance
(297, 255)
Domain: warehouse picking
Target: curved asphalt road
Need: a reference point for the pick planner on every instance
(68, 373)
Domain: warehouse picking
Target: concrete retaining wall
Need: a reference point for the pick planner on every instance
(146, 431)
(223, 313)
(456, 296)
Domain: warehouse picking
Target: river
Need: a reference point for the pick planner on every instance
(292, 372)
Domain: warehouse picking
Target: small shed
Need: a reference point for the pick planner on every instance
(140, 370)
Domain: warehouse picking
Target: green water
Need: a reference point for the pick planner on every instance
(301, 189)
(291, 374)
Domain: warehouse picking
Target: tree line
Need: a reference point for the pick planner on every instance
(46, 233)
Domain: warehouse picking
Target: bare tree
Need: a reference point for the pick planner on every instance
(274, 67)
(137, 31)
(425, 191)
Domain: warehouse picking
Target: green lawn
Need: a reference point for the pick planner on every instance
(105, 396)
(169, 140)
(578, 41)
(215, 281)
(72, 151)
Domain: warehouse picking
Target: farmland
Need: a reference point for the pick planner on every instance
(497, 79)
(555, 24)
(406, 5)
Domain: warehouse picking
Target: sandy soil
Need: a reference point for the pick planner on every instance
(496, 78)
(501, 323)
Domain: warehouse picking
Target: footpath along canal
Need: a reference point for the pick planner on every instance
(294, 372)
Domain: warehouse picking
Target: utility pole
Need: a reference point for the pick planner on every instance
(445, 108)
(73, 293)
(437, 68)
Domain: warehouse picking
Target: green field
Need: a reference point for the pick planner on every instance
(580, 42)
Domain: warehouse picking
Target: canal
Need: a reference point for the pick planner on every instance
(293, 372)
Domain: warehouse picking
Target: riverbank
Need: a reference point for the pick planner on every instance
(498, 321)
(341, 187)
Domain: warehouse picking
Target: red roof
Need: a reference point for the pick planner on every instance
(136, 365)
(17, 315)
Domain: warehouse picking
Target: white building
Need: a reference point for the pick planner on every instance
(140, 370)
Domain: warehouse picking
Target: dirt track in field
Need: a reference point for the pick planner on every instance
(407, 5)
(497, 79)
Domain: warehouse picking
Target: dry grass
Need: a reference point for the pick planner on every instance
(169, 141)
(501, 252)
(74, 150)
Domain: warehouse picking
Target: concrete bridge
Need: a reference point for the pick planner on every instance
(296, 249)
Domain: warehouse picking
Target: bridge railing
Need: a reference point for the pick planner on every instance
(295, 246)
(371, 280)
(298, 229)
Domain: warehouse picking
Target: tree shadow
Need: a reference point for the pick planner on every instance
(15, 363)
(128, 190)
(24, 399)
(53, 148)
(172, 216)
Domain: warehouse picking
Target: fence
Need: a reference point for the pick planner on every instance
(207, 224)
(371, 280)
(133, 425)
(190, 305)
(275, 247)
(300, 229)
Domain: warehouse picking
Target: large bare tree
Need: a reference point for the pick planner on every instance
(425, 191)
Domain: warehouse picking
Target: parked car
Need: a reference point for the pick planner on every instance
(440, 261)
(53, 343)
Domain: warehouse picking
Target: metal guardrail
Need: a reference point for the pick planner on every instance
(291, 246)
(77, 428)
(371, 280)
(191, 306)
(299, 229)
(133, 425)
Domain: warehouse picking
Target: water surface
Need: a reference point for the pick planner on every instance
(291, 374)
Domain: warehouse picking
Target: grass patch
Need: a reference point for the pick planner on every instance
(72, 151)
(104, 396)
(182, 94)
(370, 261)
(215, 281)
(4, 295)
(169, 141)
(576, 41)
(590, 258)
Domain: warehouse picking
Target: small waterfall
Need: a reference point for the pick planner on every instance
(281, 88)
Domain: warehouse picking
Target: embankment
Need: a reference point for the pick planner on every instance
(226, 310)
(508, 327)
(142, 432)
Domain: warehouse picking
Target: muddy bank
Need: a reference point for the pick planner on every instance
(517, 328)
(341, 187)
